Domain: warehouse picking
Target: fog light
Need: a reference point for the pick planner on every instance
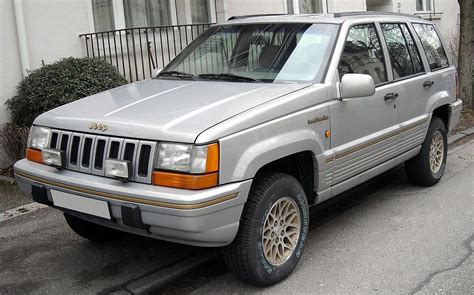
(118, 168)
(53, 157)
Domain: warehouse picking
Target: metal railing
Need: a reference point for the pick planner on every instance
(135, 52)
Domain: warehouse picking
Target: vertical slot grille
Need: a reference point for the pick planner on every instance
(143, 161)
(64, 142)
(114, 150)
(54, 140)
(99, 154)
(86, 153)
(76, 140)
(129, 151)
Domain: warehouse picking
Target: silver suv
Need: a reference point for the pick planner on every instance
(256, 120)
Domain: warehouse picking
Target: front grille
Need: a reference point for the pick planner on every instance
(87, 152)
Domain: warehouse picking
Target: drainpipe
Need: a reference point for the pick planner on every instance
(21, 32)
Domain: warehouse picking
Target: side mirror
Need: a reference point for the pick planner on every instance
(356, 85)
(155, 73)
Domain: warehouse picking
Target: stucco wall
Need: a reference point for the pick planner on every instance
(10, 66)
(52, 29)
(244, 7)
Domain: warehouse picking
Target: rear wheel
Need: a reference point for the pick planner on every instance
(427, 168)
(89, 230)
(273, 231)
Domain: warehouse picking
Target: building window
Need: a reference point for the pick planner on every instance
(311, 6)
(146, 13)
(304, 6)
(423, 5)
(289, 7)
(103, 14)
(200, 12)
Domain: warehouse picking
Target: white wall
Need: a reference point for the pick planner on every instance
(52, 29)
(10, 66)
(346, 5)
(244, 7)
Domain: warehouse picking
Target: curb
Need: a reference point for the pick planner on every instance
(455, 137)
(157, 280)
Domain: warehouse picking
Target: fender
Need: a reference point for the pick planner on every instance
(244, 153)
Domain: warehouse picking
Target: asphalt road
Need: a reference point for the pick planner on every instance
(384, 237)
(398, 239)
(39, 254)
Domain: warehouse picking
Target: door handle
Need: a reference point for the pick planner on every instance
(390, 96)
(428, 84)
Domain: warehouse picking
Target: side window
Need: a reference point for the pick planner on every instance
(432, 45)
(413, 49)
(403, 64)
(363, 54)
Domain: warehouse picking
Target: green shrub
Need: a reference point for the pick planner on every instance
(59, 83)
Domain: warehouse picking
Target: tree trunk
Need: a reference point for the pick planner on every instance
(465, 52)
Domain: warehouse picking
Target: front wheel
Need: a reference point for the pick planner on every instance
(272, 233)
(427, 168)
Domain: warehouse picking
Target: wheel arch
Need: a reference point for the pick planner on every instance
(301, 165)
(442, 112)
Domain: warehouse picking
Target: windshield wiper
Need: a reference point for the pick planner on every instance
(177, 74)
(228, 77)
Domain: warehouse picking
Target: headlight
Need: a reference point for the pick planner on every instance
(39, 137)
(198, 166)
(186, 158)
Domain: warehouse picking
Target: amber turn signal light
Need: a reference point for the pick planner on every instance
(185, 181)
(34, 155)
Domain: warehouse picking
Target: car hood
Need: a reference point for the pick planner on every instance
(171, 110)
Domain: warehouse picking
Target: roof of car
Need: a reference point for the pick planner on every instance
(336, 18)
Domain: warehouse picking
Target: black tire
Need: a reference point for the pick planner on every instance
(91, 231)
(418, 169)
(245, 257)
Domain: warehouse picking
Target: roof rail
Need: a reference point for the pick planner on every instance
(254, 15)
(373, 13)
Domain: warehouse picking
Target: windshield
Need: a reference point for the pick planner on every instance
(270, 53)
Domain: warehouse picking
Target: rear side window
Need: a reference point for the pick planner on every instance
(363, 54)
(404, 61)
(432, 45)
(413, 49)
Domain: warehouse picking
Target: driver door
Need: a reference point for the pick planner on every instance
(364, 130)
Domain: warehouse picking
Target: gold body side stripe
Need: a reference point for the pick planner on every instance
(127, 198)
(414, 124)
(377, 140)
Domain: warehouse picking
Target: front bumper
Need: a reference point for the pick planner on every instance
(454, 114)
(203, 218)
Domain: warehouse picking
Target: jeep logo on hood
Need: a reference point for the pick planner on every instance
(98, 126)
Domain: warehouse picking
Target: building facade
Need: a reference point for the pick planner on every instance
(42, 31)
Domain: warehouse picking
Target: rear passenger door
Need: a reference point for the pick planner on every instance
(364, 131)
(440, 77)
(408, 80)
